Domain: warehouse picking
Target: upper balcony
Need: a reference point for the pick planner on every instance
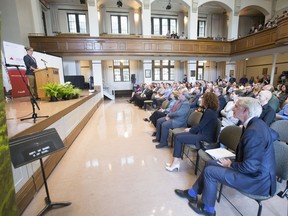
(143, 48)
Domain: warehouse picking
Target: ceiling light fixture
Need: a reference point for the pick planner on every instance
(119, 3)
(168, 7)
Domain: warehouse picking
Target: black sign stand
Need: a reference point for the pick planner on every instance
(35, 146)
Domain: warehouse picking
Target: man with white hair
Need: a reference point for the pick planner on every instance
(268, 114)
(253, 170)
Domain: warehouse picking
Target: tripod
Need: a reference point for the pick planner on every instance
(49, 204)
(32, 100)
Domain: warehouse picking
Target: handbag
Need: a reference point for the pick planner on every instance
(209, 145)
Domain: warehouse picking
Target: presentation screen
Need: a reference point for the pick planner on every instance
(14, 54)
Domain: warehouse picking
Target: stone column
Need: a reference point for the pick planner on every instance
(193, 20)
(146, 18)
(93, 17)
(97, 75)
(191, 70)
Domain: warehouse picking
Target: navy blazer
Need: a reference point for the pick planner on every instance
(268, 114)
(29, 62)
(206, 126)
(255, 159)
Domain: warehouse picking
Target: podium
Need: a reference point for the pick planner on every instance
(44, 76)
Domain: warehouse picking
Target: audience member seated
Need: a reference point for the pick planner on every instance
(222, 101)
(168, 35)
(158, 99)
(274, 101)
(163, 112)
(174, 35)
(137, 91)
(253, 170)
(248, 91)
(205, 130)
(243, 80)
(268, 114)
(175, 119)
(283, 94)
(195, 102)
(227, 113)
(145, 95)
(283, 114)
(251, 80)
(182, 36)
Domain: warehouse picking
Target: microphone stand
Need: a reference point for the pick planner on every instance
(32, 100)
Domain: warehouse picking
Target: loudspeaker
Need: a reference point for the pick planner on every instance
(133, 78)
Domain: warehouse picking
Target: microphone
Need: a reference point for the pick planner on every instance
(44, 61)
(11, 65)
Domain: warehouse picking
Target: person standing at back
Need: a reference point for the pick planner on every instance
(31, 66)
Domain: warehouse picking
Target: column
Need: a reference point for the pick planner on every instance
(191, 71)
(37, 16)
(97, 74)
(146, 19)
(232, 27)
(93, 17)
(193, 20)
(273, 68)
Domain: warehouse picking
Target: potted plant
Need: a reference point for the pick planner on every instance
(53, 90)
(69, 92)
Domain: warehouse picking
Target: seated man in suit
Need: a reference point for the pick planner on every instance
(253, 170)
(175, 119)
(268, 114)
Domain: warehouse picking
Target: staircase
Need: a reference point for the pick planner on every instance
(108, 91)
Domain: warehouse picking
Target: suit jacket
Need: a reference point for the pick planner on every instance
(255, 159)
(268, 114)
(180, 115)
(29, 61)
(207, 126)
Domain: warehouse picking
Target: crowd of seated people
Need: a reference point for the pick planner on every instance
(217, 100)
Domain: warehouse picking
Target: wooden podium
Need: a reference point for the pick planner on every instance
(44, 76)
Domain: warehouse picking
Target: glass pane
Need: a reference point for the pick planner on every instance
(165, 26)
(126, 75)
(72, 23)
(116, 62)
(165, 74)
(156, 26)
(201, 28)
(157, 74)
(124, 25)
(125, 62)
(172, 62)
(82, 23)
(200, 74)
(117, 75)
(157, 62)
(165, 62)
(114, 25)
(173, 25)
(171, 73)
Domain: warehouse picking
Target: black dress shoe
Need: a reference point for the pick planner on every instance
(154, 134)
(185, 194)
(199, 209)
(160, 146)
(146, 119)
(155, 140)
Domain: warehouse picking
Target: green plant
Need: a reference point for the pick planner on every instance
(53, 90)
(68, 91)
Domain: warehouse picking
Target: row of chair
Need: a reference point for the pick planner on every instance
(230, 137)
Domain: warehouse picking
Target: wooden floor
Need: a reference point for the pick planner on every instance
(114, 169)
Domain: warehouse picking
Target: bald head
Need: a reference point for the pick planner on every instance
(264, 96)
(268, 88)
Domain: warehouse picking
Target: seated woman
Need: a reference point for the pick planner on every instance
(283, 114)
(205, 130)
(163, 112)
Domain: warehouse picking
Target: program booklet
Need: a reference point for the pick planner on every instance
(220, 153)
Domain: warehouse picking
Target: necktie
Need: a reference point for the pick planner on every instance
(176, 105)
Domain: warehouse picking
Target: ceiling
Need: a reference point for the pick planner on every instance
(160, 5)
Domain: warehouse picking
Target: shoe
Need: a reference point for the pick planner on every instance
(147, 120)
(185, 194)
(129, 101)
(199, 209)
(155, 140)
(160, 146)
(154, 134)
(173, 168)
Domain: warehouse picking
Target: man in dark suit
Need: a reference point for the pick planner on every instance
(268, 114)
(253, 170)
(175, 119)
(31, 65)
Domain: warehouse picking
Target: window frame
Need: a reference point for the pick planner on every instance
(119, 23)
(122, 68)
(161, 67)
(161, 33)
(77, 22)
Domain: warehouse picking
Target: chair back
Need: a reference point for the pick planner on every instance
(194, 118)
(230, 136)
(281, 156)
(280, 126)
(217, 130)
(165, 104)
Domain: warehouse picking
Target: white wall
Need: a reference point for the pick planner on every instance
(69, 68)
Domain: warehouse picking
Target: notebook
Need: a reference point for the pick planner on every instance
(220, 153)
